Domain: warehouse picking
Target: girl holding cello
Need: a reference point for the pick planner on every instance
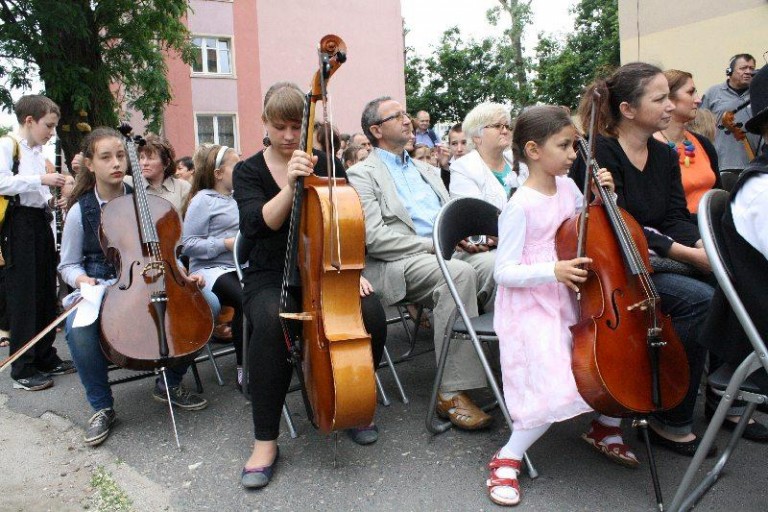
(539, 386)
(100, 180)
(634, 104)
(264, 186)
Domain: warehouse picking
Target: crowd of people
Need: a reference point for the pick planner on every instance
(653, 162)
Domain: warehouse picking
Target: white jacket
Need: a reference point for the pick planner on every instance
(471, 177)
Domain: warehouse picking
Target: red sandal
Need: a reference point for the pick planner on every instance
(619, 453)
(495, 481)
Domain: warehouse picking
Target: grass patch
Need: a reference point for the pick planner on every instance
(108, 497)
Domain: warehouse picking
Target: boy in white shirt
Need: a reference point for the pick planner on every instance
(27, 243)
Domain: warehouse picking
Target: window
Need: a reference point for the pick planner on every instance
(216, 128)
(212, 55)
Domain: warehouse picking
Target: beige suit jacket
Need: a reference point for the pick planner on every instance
(390, 235)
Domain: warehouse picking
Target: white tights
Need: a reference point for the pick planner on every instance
(521, 440)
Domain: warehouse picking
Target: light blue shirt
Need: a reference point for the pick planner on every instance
(422, 203)
(424, 138)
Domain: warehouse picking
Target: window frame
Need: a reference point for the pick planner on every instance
(215, 115)
(231, 50)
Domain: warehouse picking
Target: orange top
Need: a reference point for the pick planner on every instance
(696, 171)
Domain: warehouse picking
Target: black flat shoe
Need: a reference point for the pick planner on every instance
(756, 431)
(683, 448)
(256, 478)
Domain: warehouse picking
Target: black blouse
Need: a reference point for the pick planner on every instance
(254, 186)
(653, 196)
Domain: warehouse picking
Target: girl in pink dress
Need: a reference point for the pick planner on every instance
(534, 308)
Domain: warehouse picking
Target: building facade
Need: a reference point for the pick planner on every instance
(244, 46)
(699, 36)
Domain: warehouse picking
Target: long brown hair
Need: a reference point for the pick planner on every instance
(626, 84)
(205, 168)
(85, 179)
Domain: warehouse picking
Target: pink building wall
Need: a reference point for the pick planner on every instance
(274, 41)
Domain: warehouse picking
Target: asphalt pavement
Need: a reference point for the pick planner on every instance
(407, 470)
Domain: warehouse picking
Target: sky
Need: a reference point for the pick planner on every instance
(426, 21)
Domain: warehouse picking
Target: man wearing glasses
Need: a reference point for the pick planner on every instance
(401, 198)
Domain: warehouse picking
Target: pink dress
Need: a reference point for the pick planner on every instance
(533, 310)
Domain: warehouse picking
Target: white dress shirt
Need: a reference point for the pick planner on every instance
(750, 212)
(27, 182)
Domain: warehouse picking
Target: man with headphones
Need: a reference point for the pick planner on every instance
(732, 96)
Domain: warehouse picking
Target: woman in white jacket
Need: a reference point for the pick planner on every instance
(486, 171)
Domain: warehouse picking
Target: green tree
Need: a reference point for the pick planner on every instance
(520, 15)
(591, 50)
(5, 130)
(93, 57)
(459, 75)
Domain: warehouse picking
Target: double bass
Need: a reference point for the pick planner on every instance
(325, 257)
(627, 358)
(152, 317)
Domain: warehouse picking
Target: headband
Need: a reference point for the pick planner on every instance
(220, 156)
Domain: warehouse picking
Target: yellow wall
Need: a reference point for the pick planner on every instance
(702, 47)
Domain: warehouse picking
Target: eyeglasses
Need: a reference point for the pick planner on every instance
(499, 126)
(399, 116)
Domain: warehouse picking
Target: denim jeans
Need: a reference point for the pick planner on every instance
(92, 365)
(686, 300)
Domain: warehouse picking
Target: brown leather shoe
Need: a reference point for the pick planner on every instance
(462, 412)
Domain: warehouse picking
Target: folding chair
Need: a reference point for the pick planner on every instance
(241, 251)
(458, 219)
(730, 384)
(728, 179)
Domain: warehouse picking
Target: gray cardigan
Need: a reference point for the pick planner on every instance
(211, 217)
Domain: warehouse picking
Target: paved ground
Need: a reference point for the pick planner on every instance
(45, 466)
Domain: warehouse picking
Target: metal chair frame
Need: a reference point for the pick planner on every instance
(458, 219)
(711, 209)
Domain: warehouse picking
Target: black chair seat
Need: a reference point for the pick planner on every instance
(483, 325)
(720, 378)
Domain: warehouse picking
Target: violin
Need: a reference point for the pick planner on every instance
(325, 257)
(152, 317)
(729, 124)
(627, 358)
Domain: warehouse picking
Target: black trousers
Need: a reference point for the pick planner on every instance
(269, 370)
(30, 288)
(229, 291)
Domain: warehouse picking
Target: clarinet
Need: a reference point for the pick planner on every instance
(58, 214)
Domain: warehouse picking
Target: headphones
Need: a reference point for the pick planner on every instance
(729, 69)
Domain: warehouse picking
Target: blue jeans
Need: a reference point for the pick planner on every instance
(686, 300)
(92, 365)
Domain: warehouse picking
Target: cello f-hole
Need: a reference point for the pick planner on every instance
(125, 286)
(615, 306)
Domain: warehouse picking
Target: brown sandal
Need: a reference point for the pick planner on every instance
(619, 453)
(495, 481)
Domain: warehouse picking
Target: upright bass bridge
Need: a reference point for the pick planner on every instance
(153, 270)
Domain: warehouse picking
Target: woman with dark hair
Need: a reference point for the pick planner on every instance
(264, 188)
(696, 154)
(634, 104)
(185, 169)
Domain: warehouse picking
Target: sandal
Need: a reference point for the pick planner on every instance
(619, 453)
(495, 481)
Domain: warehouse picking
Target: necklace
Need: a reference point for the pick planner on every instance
(686, 151)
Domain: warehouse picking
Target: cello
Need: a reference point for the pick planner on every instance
(325, 257)
(151, 318)
(627, 358)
